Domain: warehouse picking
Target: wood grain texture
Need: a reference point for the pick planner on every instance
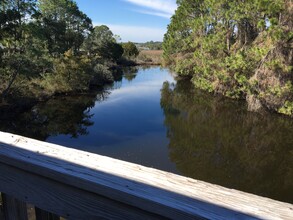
(133, 186)
(62, 199)
(13, 208)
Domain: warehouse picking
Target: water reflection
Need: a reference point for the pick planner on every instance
(68, 115)
(130, 73)
(218, 141)
(173, 128)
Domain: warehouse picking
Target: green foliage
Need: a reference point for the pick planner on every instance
(102, 43)
(203, 83)
(281, 91)
(69, 73)
(287, 108)
(40, 49)
(233, 47)
(130, 50)
(185, 66)
(64, 25)
(102, 75)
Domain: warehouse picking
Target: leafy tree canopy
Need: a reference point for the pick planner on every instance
(130, 50)
(40, 49)
(242, 49)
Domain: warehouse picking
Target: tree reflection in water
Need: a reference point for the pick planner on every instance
(210, 138)
(216, 140)
(130, 73)
(68, 115)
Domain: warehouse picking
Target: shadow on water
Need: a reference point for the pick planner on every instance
(66, 115)
(61, 115)
(216, 140)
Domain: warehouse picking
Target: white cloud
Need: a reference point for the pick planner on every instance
(162, 8)
(136, 33)
(160, 14)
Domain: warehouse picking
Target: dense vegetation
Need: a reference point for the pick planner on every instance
(130, 50)
(49, 47)
(242, 49)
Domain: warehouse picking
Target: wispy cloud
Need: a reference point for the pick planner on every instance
(162, 8)
(160, 14)
(136, 33)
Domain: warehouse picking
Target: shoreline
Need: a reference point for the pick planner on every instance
(16, 105)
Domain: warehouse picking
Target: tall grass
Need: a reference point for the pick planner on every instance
(150, 57)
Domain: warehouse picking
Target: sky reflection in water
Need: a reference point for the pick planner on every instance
(149, 119)
(129, 124)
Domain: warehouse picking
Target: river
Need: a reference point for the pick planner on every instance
(150, 119)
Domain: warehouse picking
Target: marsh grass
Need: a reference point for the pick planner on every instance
(150, 57)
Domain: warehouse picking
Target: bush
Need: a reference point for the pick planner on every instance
(130, 50)
(70, 73)
(102, 75)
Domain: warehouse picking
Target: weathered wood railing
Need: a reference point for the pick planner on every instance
(80, 185)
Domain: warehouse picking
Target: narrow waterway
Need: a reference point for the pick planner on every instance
(150, 119)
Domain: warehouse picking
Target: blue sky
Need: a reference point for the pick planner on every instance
(132, 20)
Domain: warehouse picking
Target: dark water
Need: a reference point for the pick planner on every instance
(150, 119)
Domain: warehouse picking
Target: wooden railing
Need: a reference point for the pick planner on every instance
(80, 185)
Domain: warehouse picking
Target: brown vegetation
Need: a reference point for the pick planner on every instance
(149, 57)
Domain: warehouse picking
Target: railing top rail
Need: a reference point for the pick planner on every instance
(152, 191)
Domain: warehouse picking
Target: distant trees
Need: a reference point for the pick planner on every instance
(242, 49)
(151, 45)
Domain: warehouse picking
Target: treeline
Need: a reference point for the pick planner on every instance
(151, 45)
(241, 49)
(49, 47)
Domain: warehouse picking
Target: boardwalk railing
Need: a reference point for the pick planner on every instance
(80, 185)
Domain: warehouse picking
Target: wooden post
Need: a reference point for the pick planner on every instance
(44, 215)
(13, 208)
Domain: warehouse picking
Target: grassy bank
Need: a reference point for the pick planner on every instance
(149, 57)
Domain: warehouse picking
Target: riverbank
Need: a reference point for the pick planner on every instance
(23, 96)
(68, 74)
(77, 76)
